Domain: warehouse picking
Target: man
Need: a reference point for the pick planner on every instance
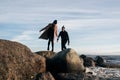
(50, 33)
(64, 38)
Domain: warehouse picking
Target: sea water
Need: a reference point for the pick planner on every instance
(108, 72)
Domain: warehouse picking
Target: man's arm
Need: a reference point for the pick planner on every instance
(59, 36)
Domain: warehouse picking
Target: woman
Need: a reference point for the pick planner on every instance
(51, 33)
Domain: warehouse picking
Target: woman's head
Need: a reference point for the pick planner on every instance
(63, 28)
(55, 22)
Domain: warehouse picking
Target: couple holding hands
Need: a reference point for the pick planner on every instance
(50, 32)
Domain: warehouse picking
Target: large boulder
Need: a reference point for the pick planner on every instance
(67, 61)
(99, 61)
(88, 61)
(17, 62)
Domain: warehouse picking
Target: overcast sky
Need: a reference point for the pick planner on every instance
(93, 25)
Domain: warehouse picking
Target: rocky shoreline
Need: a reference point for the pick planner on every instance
(17, 62)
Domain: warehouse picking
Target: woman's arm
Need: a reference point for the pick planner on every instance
(45, 27)
(56, 30)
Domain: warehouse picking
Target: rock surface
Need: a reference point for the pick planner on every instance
(46, 54)
(17, 62)
(44, 76)
(99, 61)
(88, 61)
(76, 76)
(67, 61)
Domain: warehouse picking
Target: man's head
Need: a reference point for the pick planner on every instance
(55, 22)
(63, 28)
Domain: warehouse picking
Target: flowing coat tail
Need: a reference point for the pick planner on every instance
(44, 35)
